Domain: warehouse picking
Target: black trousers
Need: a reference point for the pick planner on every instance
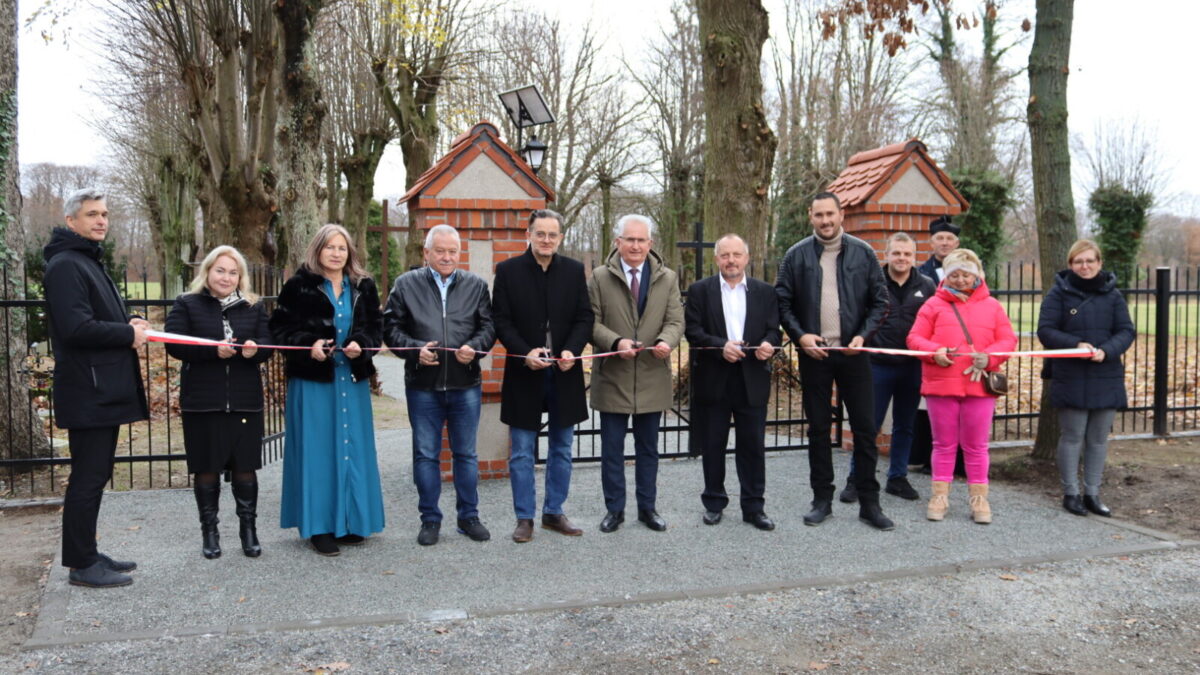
(853, 377)
(92, 452)
(712, 421)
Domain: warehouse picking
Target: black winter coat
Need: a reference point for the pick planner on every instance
(1070, 315)
(209, 383)
(304, 314)
(525, 301)
(705, 317)
(904, 301)
(97, 378)
(861, 290)
(414, 316)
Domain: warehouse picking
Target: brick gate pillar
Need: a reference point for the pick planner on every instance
(482, 188)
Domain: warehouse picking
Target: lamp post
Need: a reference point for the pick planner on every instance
(526, 108)
(534, 153)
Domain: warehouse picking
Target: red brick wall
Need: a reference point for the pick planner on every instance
(503, 222)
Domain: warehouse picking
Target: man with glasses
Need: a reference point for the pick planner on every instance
(638, 313)
(541, 311)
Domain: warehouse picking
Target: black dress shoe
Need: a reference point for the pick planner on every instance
(351, 540)
(474, 529)
(900, 487)
(325, 544)
(712, 517)
(821, 509)
(759, 520)
(871, 514)
(1074, 504)
(612, 520)
(428, 536)
(849, 495)
(1092, 503)
(651, 519)
(121, 566)
(98, 575)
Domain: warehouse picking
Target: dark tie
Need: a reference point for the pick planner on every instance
(634, 287)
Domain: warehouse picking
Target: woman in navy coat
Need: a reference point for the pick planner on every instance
(1085, 309)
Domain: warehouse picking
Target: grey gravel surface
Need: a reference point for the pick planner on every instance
(927, 595)
(1114, 615)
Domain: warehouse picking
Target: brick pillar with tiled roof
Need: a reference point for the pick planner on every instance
(483, 189)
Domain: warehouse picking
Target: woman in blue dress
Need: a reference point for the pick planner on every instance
(331, 489)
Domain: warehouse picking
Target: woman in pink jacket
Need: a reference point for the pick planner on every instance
(960, 410)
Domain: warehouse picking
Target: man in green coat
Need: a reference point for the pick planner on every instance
(638, 313)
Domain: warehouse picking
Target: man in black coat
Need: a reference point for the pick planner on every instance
(733, 324)
(896, 378)
(97, 379)
(943, 235)
(832, 294)
(541, 310)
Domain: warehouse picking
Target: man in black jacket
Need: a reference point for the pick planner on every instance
(739, 316)
(97, 379)
(896, 378)
(831, 294)
(437, 319)
(542, 311)
(943, 235)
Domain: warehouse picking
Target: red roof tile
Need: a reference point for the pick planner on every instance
(871, 170)
(481, 135)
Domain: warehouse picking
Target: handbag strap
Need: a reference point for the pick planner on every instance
(963, 325)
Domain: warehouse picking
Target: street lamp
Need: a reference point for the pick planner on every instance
(534, 153)
(526, 108)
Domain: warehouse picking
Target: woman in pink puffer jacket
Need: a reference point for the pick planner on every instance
(960, 410)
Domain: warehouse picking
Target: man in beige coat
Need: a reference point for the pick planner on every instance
(638, 313)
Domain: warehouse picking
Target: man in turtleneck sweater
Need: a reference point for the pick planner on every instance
(832, 294)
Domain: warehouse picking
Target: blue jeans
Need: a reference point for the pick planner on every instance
(558, 462)
(612, 459)
(900, 385)
(458, 410)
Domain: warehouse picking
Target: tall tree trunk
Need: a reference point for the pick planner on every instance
(740, 147)
(20, 430)
(359, 169)
(1051, 159)
(300, 137)
(416, 143)
(332, 184)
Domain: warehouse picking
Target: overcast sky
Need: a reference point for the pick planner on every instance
(1125, 64)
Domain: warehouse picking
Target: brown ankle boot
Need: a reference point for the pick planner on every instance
(939, 502)
(981, 511)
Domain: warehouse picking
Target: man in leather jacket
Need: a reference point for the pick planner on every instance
(438, 319)
(832, 294)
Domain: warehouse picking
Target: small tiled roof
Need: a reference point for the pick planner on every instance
(871, 170)
(483, 138)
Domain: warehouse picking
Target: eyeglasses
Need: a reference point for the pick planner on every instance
(636, 241)
(546, 236)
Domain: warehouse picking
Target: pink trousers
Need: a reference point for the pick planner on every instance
(960, 421)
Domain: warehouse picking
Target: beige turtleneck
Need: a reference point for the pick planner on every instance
(831, 320)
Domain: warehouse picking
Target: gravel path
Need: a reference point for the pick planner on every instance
(1136, 613)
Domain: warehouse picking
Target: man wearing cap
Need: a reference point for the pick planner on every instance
(832, 294)
(943, 234)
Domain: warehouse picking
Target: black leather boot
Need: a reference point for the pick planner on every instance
(246, 497)
(208, 499)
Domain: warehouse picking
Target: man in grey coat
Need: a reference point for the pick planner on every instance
(638, 313)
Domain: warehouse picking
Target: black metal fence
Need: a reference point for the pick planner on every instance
(149, 453)
(1162, 367)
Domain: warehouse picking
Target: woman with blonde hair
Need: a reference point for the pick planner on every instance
(220, 391)
(1085, 309)
(331, 489)
(963, 325)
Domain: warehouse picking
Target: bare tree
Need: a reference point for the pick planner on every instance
(671, 83)
(20, 429)
(839, 93)
(360, 126)
(415, 49)
(226, 56)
